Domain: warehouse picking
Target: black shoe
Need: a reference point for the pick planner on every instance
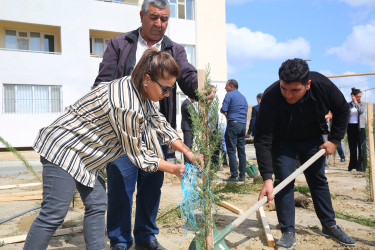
(232, 178)
(242, 178)
(119, 248)
(152, 245)
(287, 241)
(338, 235)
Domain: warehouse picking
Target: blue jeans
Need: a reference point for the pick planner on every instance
(122, 176)
(235, 137)
(284, 164)
(58, 190)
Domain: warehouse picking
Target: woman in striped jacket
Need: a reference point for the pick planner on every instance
(115, 118)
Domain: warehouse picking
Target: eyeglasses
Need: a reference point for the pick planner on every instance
(164, 89)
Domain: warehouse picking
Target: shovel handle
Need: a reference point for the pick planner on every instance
(282, 184)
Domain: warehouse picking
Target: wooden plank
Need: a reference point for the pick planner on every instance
(266, 227)
(38, 192)
(201, 79)
(20, 185)
(370, 118)
(231, 207)
(59, 232)
(22, 198)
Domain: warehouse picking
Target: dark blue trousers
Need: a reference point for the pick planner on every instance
(122, 176)
(284, 164)
(235, 138)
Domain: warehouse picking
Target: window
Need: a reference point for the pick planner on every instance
(28, 40)
(20, 98)
(182, 9)
(190, 53)
(98, 45)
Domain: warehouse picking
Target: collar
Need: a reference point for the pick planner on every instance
(132, 37)
(144, 42)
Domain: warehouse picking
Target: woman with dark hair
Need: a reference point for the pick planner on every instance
(116, 118)
(356, 131)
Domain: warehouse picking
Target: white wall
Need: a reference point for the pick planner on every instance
(74, 68)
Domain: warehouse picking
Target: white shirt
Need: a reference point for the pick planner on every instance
(142, 46)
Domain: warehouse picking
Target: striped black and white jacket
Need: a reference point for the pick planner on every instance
(107, 122)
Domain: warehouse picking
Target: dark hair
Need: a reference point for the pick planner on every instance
(233, 83)
(162, 4)
(294, 70)
(355, 91)
(156, 64)
(259, 95)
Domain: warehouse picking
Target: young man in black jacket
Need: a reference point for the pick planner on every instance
(289, 125)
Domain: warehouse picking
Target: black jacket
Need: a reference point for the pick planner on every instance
(186, 122)
(273, 120)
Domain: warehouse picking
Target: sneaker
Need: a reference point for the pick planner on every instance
(242, 178)
(232, 178)
(338, 235)
(342, 160)
(287, 241)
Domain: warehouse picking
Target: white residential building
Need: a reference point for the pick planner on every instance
(50, 53)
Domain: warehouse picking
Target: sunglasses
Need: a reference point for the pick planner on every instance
(164, 89)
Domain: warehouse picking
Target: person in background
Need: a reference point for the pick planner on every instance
(116, 118)
(119, 59)
(339, 149)
(289, 125)
(356, 131)
(186, 123)
(254, 112)
(235, 109)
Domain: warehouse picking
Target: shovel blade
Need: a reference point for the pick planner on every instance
(197, 244)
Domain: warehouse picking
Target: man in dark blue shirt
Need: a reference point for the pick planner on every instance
(235, 109)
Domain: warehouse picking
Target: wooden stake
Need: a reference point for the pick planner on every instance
(22, 198)
(231, 207)
(266, 227)
(59, 232)
(20, 185)
(370, 118)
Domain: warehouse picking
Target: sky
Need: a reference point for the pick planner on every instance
(338, 36)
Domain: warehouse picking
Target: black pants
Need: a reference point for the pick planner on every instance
(188, 141)
(356, 141)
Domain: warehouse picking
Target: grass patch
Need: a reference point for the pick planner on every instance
(369, 222)
(302, 189)
(236, 188)
(169, 215)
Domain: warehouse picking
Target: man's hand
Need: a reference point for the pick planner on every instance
(267, 190)
(329, 146)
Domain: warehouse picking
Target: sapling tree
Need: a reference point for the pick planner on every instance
(207, 141)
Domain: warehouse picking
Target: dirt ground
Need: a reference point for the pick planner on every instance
(350, 196)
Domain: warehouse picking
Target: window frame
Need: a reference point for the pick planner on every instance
(34, 109)
(42, 37)
(92, 43)
(174, 8)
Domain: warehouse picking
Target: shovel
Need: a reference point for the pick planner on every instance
(219, 243)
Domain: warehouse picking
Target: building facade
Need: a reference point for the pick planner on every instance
(50, 53)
